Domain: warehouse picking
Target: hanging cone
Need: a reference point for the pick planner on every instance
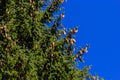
(52, 45)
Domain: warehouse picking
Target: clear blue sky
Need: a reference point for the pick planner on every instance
(99, 22)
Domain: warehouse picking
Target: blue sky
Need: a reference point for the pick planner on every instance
(99, 22)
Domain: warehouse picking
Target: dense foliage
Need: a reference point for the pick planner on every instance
(34, 45)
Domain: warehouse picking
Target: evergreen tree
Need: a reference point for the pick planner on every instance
(34, 45)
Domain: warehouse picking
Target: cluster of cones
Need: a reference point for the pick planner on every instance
(81, 52)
